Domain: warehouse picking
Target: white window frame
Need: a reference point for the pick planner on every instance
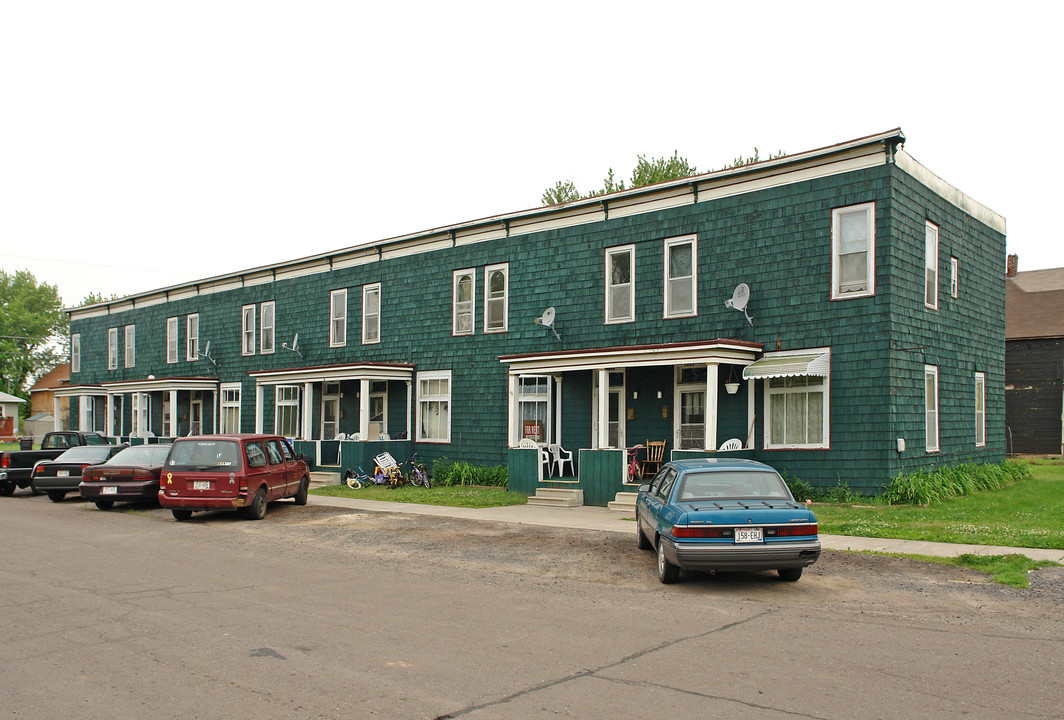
(283, 398)
(338, 318)
(954, 277)
(504, 299)
(667, 282)
(980, 409)
(192, 337)
(140, 415)
(931, 408)
(464, 310)
(267, 328)
(544, 399)
(229, 397)
(371, 322)
(825, 388)
(610, 318)
(171, 340)
(247, 330)
(425, 401)
(837, 292)
(86, 413)
(75, 353)
(131, 346)
(931, 265)
(112, 348)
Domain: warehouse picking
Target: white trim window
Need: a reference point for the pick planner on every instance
(171, 340)
(286, 411)
(192, 337)
(931, 266)
(496, 297)
(371, 314)
(86, 413)
(140, 417)
(267, 322)
(75, 353)
(229, 412)
(681, 280)
(131, 346)
(434, 406)
(931, 407)
(853, 251)
(954, 277)
(798, 408)
(534, 408)
(464, 303)
(112, 348)
(619, 276)
(980, 409)
(247, 331)
(338, 318)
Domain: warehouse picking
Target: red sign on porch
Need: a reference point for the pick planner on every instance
(533, 430)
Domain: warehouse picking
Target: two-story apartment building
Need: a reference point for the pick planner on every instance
(875, 346)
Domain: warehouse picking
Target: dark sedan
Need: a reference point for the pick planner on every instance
(62, 475)
(130, 476)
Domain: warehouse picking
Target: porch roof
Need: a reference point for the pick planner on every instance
(75, 390)
(153, 384)
(720, 350)
(334, 373)
(790, 366)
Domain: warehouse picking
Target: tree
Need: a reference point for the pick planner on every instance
(95, 297)
(563, 191)
(33, 330)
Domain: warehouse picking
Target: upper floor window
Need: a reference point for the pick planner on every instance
(496, 297)
(131, 346)
(954, 277)
(980, 409)
(338, 318)
(463, 311)
(247, 333)
(853, 251)
(620, 284)
(266, 327)
(75, 353)
(192, 337)
(681, 285)
(931, 266)
(931, 407)
(371, 313)
(171, 340)
(112, 348)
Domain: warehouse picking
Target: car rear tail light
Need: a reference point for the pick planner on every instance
(243, 485)
(686, 531)
(5, 461)
(792, 530)
(142, 473)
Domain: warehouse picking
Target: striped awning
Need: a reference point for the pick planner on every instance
(788, 366)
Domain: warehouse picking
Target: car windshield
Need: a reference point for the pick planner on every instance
(732, 485)
(85, 454)
(204, 455)
(141, 455)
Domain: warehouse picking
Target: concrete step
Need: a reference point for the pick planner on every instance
(321, 479)
(624, 501)
(557, 497)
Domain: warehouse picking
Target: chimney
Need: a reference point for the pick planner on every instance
(1011, 264)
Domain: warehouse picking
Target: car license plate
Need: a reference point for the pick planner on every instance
(201, 484)
(109, 490)
(62, 473)
(749, 535)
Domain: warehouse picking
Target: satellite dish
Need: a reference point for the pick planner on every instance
(739, 299)
(207, 350)
(547, 321)
(295, 341)
(294, 347)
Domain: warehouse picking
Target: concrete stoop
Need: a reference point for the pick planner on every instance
(625, 502)
(321, 479)
(557, 497)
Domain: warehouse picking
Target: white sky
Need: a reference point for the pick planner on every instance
(144, 144)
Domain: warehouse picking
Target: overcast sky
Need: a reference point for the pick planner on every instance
(145, 144)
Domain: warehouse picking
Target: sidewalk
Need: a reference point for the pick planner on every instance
(600, 518)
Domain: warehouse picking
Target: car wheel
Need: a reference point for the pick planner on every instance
(304, 491)
(256, 510)
(104, 504)
(7, 489)
(667, 572)
(181, 515)
(641, 539)
(790, 574)
(56, 495)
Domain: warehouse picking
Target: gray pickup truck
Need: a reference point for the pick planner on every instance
(17, 467)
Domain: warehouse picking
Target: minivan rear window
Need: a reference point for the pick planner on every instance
(204, 455)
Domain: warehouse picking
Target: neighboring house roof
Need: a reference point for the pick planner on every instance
(39, 416)
(59, 376)
(1034, 304)
(5, 398)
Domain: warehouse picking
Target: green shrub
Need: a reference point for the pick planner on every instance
(925, 487)
(447, 472)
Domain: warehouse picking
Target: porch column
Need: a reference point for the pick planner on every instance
(711, 406)
(308, 411)
(173, 414)
(513, 425)
(258, 408)
(214, 411)
(81, 412)
(363, 409)
(109, 420)
(558, 410)
(603, 439)
(409, 409)
(55, 413)
(751, 385)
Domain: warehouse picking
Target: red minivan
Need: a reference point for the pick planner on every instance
(231, 472)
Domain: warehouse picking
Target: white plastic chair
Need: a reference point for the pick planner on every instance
(527, 444)
(561, 456)
(733, 444)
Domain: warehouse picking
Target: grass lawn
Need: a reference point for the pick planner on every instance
(472, 496)
(8, 447)
(1027, 514)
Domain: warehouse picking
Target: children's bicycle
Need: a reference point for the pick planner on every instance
(361, 479)
(416, 474)
(635, 472)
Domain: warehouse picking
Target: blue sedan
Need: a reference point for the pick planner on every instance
(717, 514)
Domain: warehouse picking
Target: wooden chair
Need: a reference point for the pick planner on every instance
(655, 456)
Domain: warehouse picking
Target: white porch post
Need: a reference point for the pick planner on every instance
(711, 406)
(173, 413)
(513, 425)
(214, 411)
(603, 439)
(109, 420)
(558, 410)
(258, 408)
(363, 409)
(55, 412)
(409, 410)
(751, 385)
(308, 411)
(81, 413)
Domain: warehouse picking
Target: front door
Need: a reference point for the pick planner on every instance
(330, 411)
(615, 431)
(195, 416)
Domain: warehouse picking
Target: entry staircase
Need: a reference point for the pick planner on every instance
(320, 478)
(557, 497)
(624, 501)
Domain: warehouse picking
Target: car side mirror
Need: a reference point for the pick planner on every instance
(644, 488)
(299, 456)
